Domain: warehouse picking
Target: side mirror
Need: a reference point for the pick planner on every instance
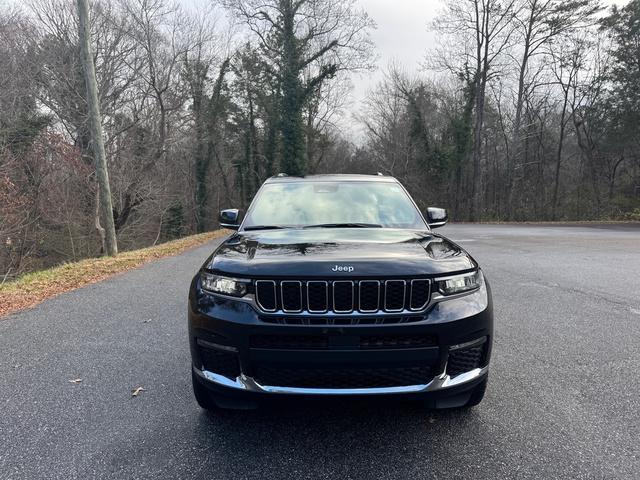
(437, 217)
(230, 218)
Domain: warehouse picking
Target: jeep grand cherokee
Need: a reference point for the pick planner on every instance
(336, 285)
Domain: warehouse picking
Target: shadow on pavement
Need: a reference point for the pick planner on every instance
(335, 437)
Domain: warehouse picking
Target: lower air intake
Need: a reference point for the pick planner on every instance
(343, 378)
(465, 360)
(222, 363)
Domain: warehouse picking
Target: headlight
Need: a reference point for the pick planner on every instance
(225, 285)
(460, 283)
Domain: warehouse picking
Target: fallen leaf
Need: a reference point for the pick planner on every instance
(30, 290)
(76, 380)
(136, 391)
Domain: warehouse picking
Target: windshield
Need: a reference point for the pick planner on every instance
(333, 204)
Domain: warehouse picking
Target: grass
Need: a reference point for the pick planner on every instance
(33, 288)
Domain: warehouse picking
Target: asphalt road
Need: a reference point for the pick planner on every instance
(563, 399)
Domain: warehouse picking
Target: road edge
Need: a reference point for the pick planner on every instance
(34, 288)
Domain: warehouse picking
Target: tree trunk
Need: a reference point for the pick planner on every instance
(270, 146)
(95, 124)
(200, 154)
(588, 152)
(477, 138)
(556, 184)
(252, 180)
(209, 124)
(612, 179)
(517, 124)
(292, 124)
(477, 145)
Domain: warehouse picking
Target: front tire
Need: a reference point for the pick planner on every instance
(203, 397)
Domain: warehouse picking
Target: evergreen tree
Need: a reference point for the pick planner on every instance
(324, 36)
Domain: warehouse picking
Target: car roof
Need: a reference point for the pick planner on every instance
(283, 178)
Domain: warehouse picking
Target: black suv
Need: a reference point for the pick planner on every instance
(335, 285)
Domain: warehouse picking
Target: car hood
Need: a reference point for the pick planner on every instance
(317, 252)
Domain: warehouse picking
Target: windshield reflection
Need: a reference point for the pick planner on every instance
(304, 203)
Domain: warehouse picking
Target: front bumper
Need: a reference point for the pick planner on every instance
(439, 383)
(229, 327)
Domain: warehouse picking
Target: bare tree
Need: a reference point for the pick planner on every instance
(538, 23)
(484, 30)
(566, 64)
(322, 111)
(159, 33)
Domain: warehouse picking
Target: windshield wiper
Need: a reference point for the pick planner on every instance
(345, 225)
(321, 225)
(265, 227)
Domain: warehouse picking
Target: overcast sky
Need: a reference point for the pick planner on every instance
(402, 36)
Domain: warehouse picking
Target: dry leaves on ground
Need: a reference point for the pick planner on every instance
(33, 288)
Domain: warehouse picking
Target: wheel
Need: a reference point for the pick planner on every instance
(203, 397)
(478, 394)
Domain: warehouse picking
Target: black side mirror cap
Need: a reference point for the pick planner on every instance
(437, 217)
(230, 218)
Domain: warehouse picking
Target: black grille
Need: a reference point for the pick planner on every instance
(397, 341)
(291, 296)
(317, 296)
(394, 291)
(369, 296)
(222, 363)
(290, 342)
(266, 292)
(324, 342)
(420, 290)
(340, 320)
(464, 360)
(343, 296)
(343, 377)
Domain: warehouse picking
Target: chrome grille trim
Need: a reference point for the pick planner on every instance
(404, 295)
(286, 282)
(307, 295)
(360, 309)
(428, 294)
(326, 295)
(275, 295)
(333, 291)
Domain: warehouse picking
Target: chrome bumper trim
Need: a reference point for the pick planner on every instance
(248, 384)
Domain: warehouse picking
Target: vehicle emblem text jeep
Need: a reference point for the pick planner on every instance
(343, 268)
